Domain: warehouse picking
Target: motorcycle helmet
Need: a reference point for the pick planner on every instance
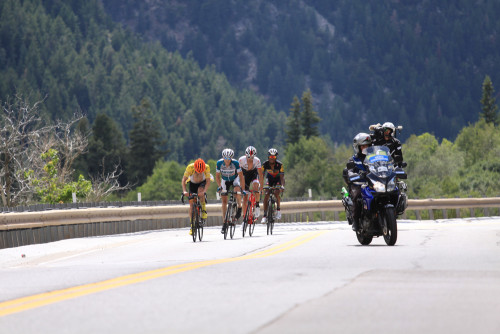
(389, 126)
(361, 139)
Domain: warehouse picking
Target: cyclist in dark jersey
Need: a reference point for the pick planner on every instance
(275, 175)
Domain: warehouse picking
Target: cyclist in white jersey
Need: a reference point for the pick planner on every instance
(252, 171)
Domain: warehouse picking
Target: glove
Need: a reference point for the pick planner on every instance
(362, 173)
(219, 189)
(244, 192)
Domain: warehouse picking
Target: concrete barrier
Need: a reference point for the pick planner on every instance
(23, 228)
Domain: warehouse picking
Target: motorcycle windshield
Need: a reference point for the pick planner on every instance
(379, 161)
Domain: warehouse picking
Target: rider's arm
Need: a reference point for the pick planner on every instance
(207, 177)
(218, 179)
(184, 179)
(242, 180)
(261, 177)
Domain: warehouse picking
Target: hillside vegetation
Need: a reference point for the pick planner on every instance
(417, 63)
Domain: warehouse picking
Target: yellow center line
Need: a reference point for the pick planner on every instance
(42, 299)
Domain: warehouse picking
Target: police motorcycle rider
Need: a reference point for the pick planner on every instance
(355, 165)
(384, 135)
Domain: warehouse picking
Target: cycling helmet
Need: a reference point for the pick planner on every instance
(272, 151)
(199, 165)
(250, 152)
(227, 153)
(361, 139)
(389, 126)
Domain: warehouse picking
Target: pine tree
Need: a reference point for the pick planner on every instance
(293, 131)
(488, 101)
(309, 117)
(145, 143)
(107, 148)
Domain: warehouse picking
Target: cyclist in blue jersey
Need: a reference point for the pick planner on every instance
(228, 173)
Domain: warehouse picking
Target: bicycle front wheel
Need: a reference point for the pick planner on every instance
(200, 230)
(194, 222)
(270, 216)
(227, 219)
(246, 219)
(232, 226)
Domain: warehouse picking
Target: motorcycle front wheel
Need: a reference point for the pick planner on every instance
(389, 226)
(364, 238)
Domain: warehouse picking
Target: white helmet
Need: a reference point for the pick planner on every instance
(361, 139)
(272, 151)
(250, 152)
(390, 126)
(227, 153)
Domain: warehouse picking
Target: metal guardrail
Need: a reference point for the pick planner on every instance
(21, 228)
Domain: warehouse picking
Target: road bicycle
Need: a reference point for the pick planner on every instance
(271, 207)
(230, 217)
(197, 222)
(249, 220)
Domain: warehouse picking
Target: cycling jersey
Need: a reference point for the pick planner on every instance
(251, 175)
(190, 172)
(273, 171)
(228, 173)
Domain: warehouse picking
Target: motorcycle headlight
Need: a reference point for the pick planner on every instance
(379, 187)
(391, 185)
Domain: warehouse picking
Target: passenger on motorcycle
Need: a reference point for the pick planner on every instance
(385, 135)
(356, 165)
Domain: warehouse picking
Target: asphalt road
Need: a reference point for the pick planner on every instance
(441, 277)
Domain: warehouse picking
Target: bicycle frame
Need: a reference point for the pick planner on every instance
(195, 216)
(271, 208)
(230, 217)
(249, 219)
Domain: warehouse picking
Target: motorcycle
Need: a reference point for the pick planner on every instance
(383, 197)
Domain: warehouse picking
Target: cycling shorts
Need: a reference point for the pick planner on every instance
(251, 177)
(193, 187)
(273, 181)
(226, 185)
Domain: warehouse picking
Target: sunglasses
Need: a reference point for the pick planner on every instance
(272, 157)
(227, 158)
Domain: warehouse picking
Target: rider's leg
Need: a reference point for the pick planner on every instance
(238, 201)
(201, 195)
(255, 188)
(278, 203)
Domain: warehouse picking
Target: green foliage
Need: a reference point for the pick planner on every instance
(309, 116)
(312, 164)
(293, 122)
(51, 189)
(414, 63)
(165, 182)
(468, 167)
(145, 142)
(96, 66)
(488, 101)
